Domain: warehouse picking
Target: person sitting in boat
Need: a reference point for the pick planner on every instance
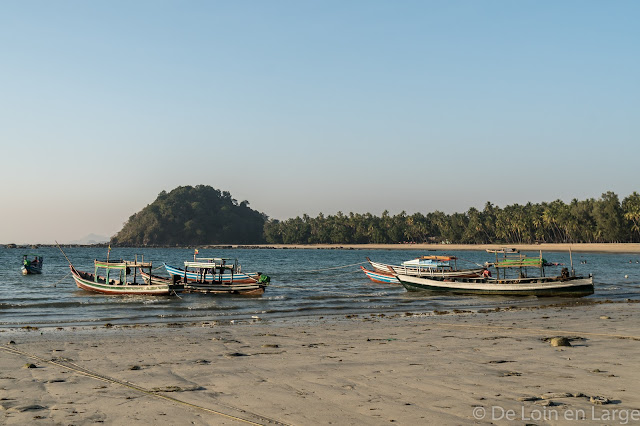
(486, 273)
(564, 273)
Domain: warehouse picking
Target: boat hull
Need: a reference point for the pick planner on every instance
(29, 270)
(380, 277)
(382, 268)
(240, 289)
(575, 286)
(85, 281)
(238, 278)
(247, 289)
(431, 272)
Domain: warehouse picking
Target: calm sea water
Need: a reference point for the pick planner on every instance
(302, 285)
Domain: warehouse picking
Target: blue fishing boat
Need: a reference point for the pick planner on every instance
(221, 270)
(214, 275)
(31, 264)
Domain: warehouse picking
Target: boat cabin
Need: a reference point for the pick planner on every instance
(512, 260)
(430, 262)
(212, 266)
(116, 271)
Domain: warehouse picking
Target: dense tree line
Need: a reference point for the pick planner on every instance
(605, 220)
(193, 216)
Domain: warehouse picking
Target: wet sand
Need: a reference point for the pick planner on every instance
(437, 368)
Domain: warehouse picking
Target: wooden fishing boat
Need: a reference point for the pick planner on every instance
(424, 265)
(223, 270)
(380, 267)
(565, 284)
(380, 277)
(114, 279)
(31, 264)
(210, 287)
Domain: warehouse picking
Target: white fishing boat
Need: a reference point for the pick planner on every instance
(522, 284)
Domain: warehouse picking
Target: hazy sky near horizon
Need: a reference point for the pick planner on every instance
(309, 107)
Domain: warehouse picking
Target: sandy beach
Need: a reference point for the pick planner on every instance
(437, 368)
(584, 248)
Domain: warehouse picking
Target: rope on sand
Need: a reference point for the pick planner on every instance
(64, 363)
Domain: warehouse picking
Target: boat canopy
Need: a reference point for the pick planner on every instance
(120, 264)
(443, 258)
(525, 262)
(123, 268)
(428, 261)
(212, 262)
(503, 250)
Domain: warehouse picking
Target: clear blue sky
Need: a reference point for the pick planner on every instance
(307, 107)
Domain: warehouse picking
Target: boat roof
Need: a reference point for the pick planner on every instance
(217, 263)
(525, 262)
(503, 250)
(121, 264)
(214, 259)
(440, 258)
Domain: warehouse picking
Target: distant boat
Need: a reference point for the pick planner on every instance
(31, 264)
(115, 279)
(565, 284)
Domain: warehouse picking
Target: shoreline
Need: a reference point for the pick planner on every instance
(631, 248)
(546, 247)
(447, 368)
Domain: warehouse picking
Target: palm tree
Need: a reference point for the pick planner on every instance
(631, 208)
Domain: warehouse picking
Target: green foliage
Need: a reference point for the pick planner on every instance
(588, 221)
(193, 216)
(203, 215)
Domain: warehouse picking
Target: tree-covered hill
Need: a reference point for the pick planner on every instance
(193, 216)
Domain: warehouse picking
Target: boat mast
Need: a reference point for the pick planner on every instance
(541, 265)
(573, 273)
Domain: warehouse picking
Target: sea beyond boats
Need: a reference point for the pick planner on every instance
(304, 284)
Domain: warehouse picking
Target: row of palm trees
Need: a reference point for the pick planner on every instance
(603, 220)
